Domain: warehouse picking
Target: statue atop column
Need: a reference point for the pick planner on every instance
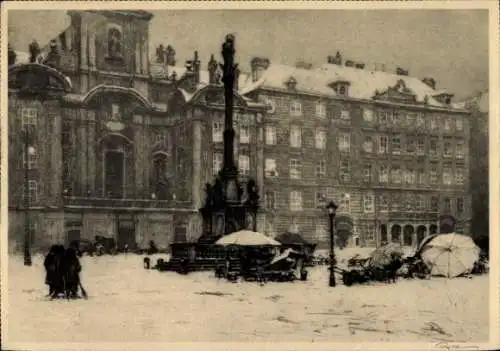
(34, 50)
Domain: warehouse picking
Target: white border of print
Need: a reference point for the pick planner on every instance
(494, 162)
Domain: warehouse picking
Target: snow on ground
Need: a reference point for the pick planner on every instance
(130, 304)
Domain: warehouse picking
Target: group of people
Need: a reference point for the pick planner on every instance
(63, 268)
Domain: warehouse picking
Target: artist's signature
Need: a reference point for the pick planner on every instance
(455, 346)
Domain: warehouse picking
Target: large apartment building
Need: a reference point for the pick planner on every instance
(389, 149)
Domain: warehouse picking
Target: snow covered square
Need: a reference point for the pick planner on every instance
(130, 304)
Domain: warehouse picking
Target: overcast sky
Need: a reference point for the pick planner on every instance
(449, 45)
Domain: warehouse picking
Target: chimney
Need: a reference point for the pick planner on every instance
(401, 72)
(430, 82)
(258, 66)
(212, 70)
(337, 60)
(303, 65)
(12, 56)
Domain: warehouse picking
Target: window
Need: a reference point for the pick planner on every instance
(420, 146)
(368, 115)
(421, 174)
(396, 117)
(411, 146)
(345, 115)
(270, 200)
(115, 112)
(433, 147)
(459, 124)
(244, 133)
(420, 120)
(433, 173)
(244, 164)
(368, 203)
(367, 173)
(270, 135)
(345, 203)
(460, 205)
(396, 174)
(160, 176)
(383, 175)
(446, 204)
(270, 168)
(295, 169)
(295, 201)
(384, 203)
(296, 108)
(342, 90)
(459, 175)
(434, 204)
(217, 130)
(345, 171)
(217, 162)
(344, 142)
(448, 149)
(32, 157)
(320, 139)
(320, 169)
(433, 123)
(383, 147)
(396, 202)
(420, 205)
(368, 145)
(410, 119)
(396, 145)
(320, 200)
(295, 137)
(321, 109)
(459, 151)
(370, 232)
(447, 175)
(29, 116)
(409, 176)
(382, 116)
(447, 124)
(32, 191)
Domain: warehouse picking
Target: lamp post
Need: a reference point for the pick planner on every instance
(332, 208)
(29, 150)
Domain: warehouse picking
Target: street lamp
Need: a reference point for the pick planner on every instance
(332, 208)
(29, 150)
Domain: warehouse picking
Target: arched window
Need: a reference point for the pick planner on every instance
(160, 185)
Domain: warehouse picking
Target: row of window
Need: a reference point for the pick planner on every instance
(409, 203)
(243, 163)
(386, 144)
(395, 174)
(385, 116)
(218, 132)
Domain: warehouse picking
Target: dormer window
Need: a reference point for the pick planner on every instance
(291, 83)
(341, 87)
(444, 98)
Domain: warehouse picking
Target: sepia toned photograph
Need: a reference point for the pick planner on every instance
(233, 173)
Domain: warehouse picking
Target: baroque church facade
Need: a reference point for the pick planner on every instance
(119, 145)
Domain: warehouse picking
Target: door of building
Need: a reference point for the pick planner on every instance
(126, 234)
(115, 167)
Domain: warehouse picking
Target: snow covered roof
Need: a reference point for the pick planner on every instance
(364, 83)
